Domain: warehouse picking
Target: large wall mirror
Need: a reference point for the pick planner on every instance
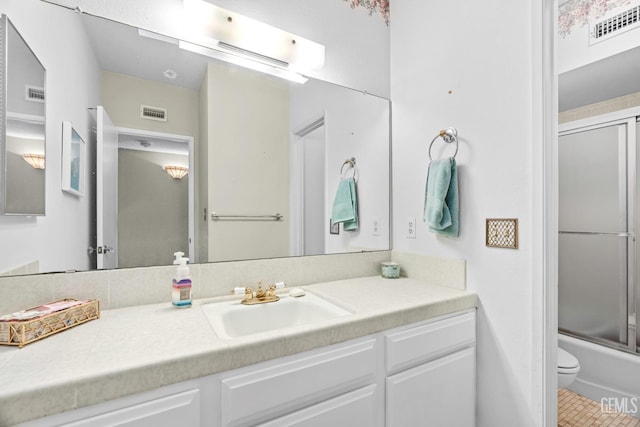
(22, 125)
(188, 153)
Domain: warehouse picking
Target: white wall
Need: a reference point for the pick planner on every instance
(248, 162)
(476, 73)
(577, 52)
(63, 234)
(357, 45)
(356, 125)
(122, 96)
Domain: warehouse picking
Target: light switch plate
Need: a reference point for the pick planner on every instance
(411, 227)
(502, 233)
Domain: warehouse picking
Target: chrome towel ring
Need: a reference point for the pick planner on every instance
(449, 135)
(349, 162)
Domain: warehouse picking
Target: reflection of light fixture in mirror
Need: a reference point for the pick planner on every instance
(176, 172)
(244, 62)
(238, 36)
(35, 160)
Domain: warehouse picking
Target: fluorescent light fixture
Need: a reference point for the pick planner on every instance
(221, 30)
(156, 36)
(176, 172)
(35, 160)
(244, 61)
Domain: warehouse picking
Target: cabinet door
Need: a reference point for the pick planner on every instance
(182, 409)
(438, 393)
(357, 408)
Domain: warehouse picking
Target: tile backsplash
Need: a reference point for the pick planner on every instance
(148, 285)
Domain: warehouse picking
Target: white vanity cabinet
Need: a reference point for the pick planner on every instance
(277, 390)
(417, 375)
(176, 405)
(182, 409)
(431, 374)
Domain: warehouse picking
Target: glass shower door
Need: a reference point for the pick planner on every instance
(595, 241)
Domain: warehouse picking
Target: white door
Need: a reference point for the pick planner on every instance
(106, 190)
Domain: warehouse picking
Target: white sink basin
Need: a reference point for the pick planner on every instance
(232, 319)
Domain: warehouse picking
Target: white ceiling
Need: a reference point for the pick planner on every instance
(120, 49)
(155, 144)
(615, 76)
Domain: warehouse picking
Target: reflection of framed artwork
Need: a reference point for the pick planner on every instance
(73, 160)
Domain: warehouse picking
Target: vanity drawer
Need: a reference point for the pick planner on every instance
(409, 347)
(352, 409)
(260, 394)
(181, 409)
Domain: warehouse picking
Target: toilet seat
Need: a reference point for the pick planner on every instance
(567, 363)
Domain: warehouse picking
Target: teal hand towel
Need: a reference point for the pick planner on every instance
(345, 205)
(441, 206)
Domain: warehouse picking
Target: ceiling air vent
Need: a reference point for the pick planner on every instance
(33, 93)
(617, 24)
(153, 113)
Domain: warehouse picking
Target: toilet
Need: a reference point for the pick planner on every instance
(568, 368)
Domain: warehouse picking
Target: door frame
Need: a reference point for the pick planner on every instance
(296, 187)
(190, 141)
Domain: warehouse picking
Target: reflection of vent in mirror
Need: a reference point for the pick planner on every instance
(607, 28)
(33, 93)
(153, 113)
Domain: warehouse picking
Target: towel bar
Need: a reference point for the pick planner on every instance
(448, 135)
(276, 217)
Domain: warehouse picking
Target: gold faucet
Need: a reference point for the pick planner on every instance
(261, 296)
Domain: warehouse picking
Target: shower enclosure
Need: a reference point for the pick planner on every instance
(598, 293)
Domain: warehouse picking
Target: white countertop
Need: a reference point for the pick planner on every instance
(141, 348)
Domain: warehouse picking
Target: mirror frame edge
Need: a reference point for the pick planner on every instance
(5, 22)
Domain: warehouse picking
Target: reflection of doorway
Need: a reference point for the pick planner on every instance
(155, 211)
(308, 189)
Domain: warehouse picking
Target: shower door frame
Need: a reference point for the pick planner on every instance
(627, 117)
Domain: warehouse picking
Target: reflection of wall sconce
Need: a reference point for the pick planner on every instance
(35, 160)
(176, 172)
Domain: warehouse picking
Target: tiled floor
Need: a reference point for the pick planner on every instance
(578, 411)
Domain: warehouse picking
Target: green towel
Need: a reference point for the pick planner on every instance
(441, 208)
(345, 205)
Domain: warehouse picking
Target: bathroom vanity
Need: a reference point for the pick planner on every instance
(404, 355)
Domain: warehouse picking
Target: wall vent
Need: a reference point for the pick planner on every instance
(33, 93)
(617, 24)
(153, 113)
